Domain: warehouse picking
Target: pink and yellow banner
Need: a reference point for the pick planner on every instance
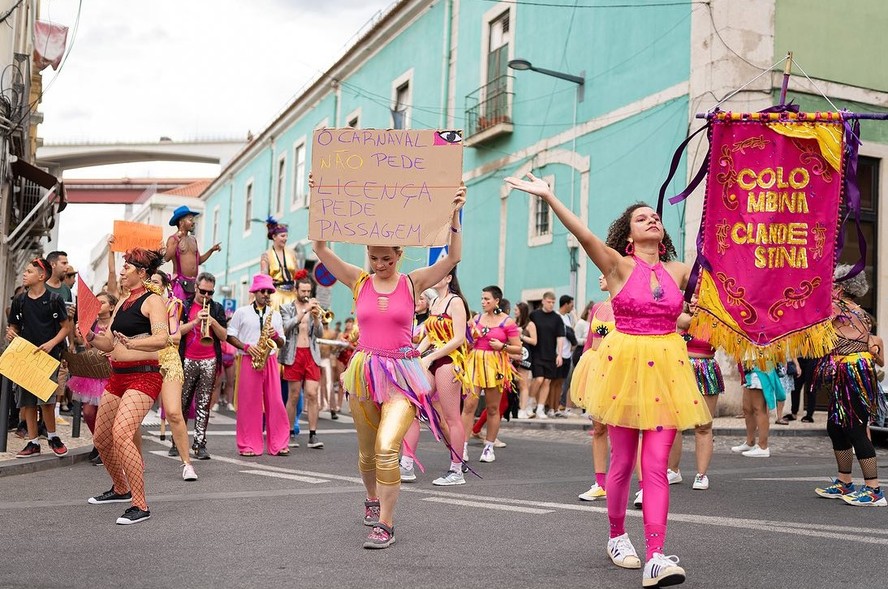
(769, 235)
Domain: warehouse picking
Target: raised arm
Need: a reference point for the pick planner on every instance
(429, 276)
(113, 288)
(206, 255)
(605, 258)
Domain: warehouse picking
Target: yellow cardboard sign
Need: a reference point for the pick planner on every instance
(30, 368)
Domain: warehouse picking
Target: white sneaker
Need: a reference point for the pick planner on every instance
(622, 552)
(567, 413)
(594, 493)
(465, 454)
(230, 407)
(407, 474)
(550, 413)
(188, 473)
(541, 412)
(522, 414)
(673, 476)
(662, 571)
(451, 478)
(487, 454)
(639, 496)
(757, 452)
(741, 448)
(215, 408)
(498, 444)
(701, 482)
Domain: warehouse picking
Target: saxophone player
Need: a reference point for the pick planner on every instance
(301, 356)
(201, 356)
(256, 330)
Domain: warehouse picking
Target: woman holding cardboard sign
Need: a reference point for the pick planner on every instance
(385, 379)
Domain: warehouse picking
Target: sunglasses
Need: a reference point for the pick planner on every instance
(207, 293)
(72, 275)
(266, 291)
(38, 262)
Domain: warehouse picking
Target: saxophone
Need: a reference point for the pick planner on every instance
(265, 345)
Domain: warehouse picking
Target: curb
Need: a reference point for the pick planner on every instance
(18, 466)
(586, 425)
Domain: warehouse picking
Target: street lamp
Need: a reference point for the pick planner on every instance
(522, 64)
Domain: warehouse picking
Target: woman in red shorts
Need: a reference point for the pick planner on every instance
(139, 329)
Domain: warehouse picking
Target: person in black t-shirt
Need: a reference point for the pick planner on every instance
(40, 317)
(546, 357)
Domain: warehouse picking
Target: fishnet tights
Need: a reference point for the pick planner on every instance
(870, 468)
(116, 424)
(844, 460)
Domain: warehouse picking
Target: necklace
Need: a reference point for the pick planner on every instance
(133, 297)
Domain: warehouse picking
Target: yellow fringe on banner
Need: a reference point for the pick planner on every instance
(714, 324)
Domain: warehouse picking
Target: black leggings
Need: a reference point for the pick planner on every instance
(843, 439)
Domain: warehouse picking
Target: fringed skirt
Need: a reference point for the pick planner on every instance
(491, 370)
(851, 385)
(709, 376)
(642, 382)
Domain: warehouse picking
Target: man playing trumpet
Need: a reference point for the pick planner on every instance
(203, 331)
(301, 356)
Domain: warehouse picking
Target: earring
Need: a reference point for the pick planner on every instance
(661, 249)
(151, 287)
(497, 310)
(630, 248)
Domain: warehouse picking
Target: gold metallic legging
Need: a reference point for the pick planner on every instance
(380, 433)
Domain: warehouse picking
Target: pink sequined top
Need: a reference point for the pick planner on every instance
(641, 309)
(386, 319)
(501, 332)
(700, 347)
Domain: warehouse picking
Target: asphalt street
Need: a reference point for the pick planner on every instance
(296, 521)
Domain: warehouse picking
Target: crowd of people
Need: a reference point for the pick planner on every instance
(416, 353)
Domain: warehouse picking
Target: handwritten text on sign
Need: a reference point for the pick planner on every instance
(379, 187)
(30, 368)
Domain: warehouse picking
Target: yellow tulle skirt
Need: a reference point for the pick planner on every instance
(642, 382)
(490, 370)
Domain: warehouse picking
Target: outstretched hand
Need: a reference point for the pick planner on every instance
(533, 185)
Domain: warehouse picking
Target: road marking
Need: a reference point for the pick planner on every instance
(488, 505)
(290, 477)
(820, 479)
(233, 433)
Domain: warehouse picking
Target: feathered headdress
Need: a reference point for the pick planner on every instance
(274, 227)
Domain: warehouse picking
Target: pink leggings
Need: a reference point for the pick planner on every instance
(655, 446)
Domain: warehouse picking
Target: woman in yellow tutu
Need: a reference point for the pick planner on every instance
(490, 368)
(640, 378)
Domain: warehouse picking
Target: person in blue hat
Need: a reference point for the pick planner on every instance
(181, 248)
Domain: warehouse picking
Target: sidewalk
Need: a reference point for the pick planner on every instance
(722, 426)
(78, 450)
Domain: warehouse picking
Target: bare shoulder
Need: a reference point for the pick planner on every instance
(679, 271)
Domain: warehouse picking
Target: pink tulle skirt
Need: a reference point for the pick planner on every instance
(87, 390)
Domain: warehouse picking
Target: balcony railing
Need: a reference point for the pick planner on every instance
(489, 111)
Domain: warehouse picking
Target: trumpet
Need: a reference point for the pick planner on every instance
(325, 315)
(206, 336)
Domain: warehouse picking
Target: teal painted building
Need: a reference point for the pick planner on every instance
(647, 68)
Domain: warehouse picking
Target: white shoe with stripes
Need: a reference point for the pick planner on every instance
(662, 571)
(622, 552)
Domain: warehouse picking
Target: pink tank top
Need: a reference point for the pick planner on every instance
(640, 309)
(390, 329)
(501, 332)
(700, 347)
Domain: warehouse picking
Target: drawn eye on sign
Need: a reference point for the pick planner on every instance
(445, 137)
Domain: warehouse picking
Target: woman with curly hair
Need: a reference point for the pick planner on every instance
(849, 377)
(139, 329)
(639, 380)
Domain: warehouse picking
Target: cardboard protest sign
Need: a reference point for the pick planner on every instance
(87, 307)
(128, 235)
(30, 368)
(384, 187)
